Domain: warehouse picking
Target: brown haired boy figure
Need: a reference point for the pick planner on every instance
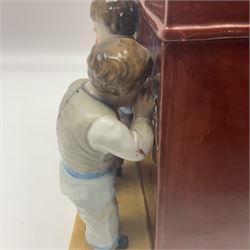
(90, 134)
(114, 18)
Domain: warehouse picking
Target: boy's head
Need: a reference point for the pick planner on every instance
(119, 17)
(119, 66)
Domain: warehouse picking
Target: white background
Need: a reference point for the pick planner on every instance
(44, 46)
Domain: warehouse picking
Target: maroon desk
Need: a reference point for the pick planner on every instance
(197, 193)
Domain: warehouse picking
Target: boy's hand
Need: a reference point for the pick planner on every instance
(144, 105)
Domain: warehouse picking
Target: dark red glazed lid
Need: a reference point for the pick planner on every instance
(197, 20)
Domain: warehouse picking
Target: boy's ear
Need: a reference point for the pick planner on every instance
(113, 28)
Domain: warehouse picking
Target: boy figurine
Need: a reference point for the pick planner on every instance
(90, 134)
(114, 19)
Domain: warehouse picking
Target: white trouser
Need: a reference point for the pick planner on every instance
(96, 205)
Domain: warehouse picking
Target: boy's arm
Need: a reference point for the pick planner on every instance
(108, 135)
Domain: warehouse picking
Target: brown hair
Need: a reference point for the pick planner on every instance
(120, 17)
(116, 66)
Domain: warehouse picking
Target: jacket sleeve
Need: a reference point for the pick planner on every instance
(108, 135)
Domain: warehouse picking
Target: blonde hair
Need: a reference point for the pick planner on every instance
(120, 17)
(116, 66)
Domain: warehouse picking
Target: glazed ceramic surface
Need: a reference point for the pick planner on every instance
(197, 192)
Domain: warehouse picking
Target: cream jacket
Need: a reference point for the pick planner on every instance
(90, 135)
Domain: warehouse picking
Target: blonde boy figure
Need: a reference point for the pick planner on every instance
(116, 19)
(90, 135)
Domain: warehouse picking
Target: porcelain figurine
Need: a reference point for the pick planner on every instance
(113, 19)
(90, 135)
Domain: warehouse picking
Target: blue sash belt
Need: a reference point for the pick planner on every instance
(91, 175)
